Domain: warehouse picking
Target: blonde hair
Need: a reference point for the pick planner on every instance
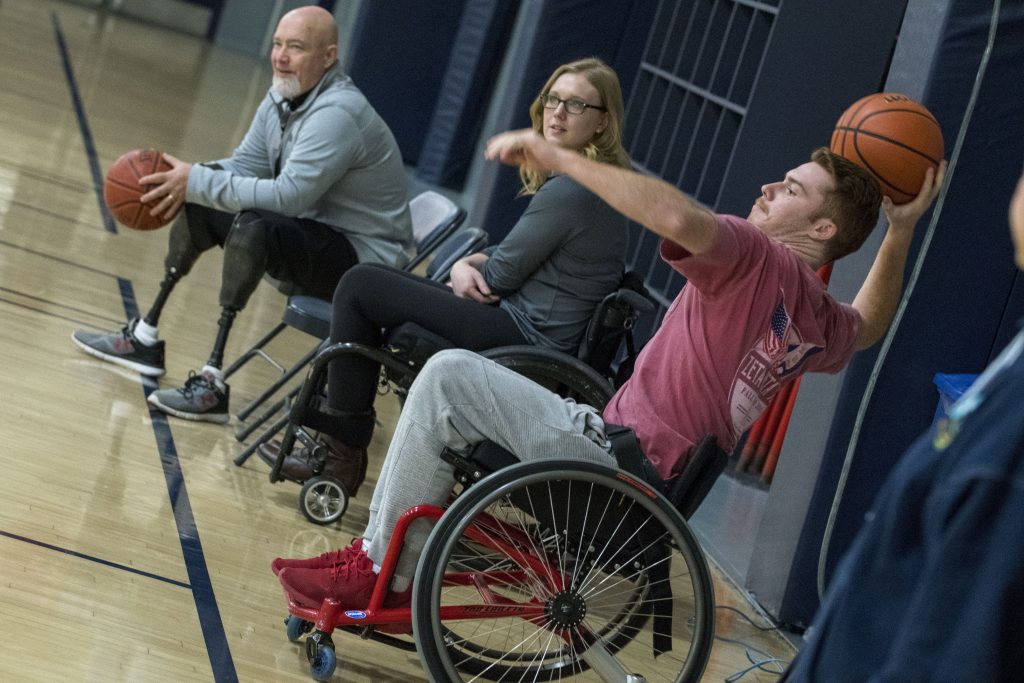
(605, 146)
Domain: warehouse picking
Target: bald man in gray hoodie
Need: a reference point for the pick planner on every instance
(316, 186)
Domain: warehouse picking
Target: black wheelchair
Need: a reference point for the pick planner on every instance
(587, 378)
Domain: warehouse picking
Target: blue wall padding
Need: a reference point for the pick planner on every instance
(398, 58)
(465, 91)
(569, 30)
(968, 298)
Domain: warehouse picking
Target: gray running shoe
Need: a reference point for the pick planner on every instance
(124, 349)
(200, 399)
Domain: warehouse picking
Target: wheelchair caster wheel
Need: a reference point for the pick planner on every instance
(296, 628)
(321, 656)
(323, 500)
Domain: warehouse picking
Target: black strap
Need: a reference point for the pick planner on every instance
(630, 457)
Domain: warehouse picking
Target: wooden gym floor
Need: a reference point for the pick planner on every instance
(131, 548)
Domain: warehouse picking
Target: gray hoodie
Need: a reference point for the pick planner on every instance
(339, 165)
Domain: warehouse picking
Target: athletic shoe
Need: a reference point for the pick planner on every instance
(322, 561)
(200, 399)
(351, 584)
(124, 349)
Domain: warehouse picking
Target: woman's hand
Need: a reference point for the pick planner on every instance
(468, 283)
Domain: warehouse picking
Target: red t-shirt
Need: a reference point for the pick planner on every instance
(752, 317)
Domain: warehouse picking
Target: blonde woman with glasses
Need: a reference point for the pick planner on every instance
(540, 285)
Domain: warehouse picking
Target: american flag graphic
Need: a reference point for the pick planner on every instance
(774, 339)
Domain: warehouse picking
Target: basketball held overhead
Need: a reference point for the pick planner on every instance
(893, 138)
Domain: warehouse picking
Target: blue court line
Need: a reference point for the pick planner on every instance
(91, 558)
(188, 535)
(83, 125)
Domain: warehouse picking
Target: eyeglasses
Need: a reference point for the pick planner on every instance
(550, 101)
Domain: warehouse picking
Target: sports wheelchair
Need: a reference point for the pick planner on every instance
(539, 571)
(586, 378)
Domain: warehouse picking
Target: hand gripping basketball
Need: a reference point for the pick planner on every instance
(122, 190)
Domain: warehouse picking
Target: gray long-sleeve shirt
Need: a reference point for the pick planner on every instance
(566, 253)
(339, 165)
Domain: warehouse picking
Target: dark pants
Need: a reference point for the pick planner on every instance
(311, 255)
(372, 299)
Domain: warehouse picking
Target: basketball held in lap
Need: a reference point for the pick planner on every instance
(122, 191)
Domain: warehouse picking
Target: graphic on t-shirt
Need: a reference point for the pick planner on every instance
(776, 356)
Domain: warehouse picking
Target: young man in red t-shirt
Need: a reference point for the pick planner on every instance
(753, 316)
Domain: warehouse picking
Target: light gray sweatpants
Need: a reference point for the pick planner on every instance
(458, 400)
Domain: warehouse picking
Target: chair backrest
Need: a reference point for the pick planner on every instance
(613, 321)
(309, 314)
(434, 218)
(463, 243)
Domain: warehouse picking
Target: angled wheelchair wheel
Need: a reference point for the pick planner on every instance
(323, 499)
(551, 569)
(559, 372)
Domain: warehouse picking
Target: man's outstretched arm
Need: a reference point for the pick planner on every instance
(658, 206)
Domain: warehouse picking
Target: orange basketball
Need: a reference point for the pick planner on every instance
(121, 188)
(893, 138)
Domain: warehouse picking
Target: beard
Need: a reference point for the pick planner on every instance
(287, 87)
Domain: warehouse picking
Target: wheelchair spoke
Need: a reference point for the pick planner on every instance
(544, 550)
(554, 515)
(527, 643)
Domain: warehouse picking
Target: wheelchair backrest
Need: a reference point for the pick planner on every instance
(613, 322)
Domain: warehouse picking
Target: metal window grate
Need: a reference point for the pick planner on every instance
(688, 104)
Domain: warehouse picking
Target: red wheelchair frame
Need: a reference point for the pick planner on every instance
(530, 565)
